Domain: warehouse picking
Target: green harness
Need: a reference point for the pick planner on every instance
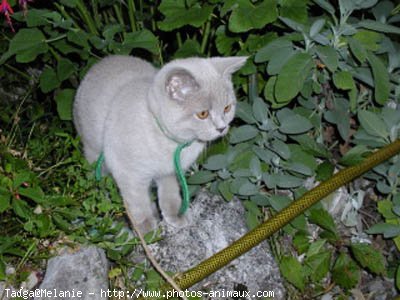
(177, 165)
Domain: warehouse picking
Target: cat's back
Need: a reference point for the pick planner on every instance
(110, 74)
(98, 92)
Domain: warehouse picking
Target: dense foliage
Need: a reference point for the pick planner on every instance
(320, 91)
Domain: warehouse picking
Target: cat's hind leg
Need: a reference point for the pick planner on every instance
(169, 200)
(135, 193)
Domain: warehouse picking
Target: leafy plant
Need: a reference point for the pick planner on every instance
(320, 91)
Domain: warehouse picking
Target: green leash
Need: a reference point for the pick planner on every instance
(181, 178)
(177, 165)
(99, 164)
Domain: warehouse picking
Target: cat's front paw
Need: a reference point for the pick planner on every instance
(177, 221)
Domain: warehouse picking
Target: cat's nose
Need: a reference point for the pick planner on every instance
(221, 129)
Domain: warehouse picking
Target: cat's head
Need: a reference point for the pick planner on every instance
(194, 97)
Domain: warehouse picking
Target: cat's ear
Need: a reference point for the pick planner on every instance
(180, 84)
(228, 65)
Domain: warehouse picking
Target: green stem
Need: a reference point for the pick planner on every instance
(179, 39)
(120, 18)
(66, 15)
(96, 14)
(55, 54)
(86, 17)
(205, 36)
(153, 22)
(118, 14)
(16, 71)
(60, 37)
(131, 13)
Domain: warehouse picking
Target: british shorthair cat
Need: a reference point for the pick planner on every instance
(136, 115)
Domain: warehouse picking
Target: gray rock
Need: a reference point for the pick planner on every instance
(84, 271)
(214, 224)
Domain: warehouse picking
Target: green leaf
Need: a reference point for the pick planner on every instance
(5, 198)
(242, 133)
(216, 162)
(378, 26)
(65, 68)
(381, 78)
(310, 146)
(316, 27)
(281, 149)
(323, 219)
(177, 14)
(358, 50)
(188, 49)
(318, 265)
(260, 110)
(279, 202)
(292, 77)
(329, 57)
(246, 16)
(294, 9)
(224, 42)
(369, 39)
(324, 171)
(292, 123)
(282, 180)
(398, 277)
(301, 242)
(293, 25)
(248, 189)
(224, 189)
(34, 193)
(64, 100)
(21, 208)
(373, 124)
(48, 80)
(244, 112)
(325, 5)
(277, 52)
(201, 177)
(253, 214)
(346, 272)
(3, 274)
(369, 258)
(143, 39)
(344, 80)
(388, 230)
(27, 44)
(293, 271)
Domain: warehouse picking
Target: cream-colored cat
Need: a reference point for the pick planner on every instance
(136, 114)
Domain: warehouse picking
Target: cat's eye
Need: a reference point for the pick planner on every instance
(228, 108)
(203, 114)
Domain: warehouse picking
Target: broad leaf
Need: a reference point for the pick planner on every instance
(345, 272)
(246, 15)
(292, 123)
(329, 57)
(64, 100)
(144, 39)
(177, 14)
(292, 77)
(369, 258)
(242, 133)
(201, 177)
(381, 78)
(378, 26)
(293, 271)
(373, 124)
(343, 80)
(27, 44)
